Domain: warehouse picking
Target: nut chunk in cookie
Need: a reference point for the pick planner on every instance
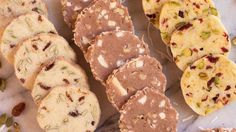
(110, 50)
(148, 111)
(69, 109)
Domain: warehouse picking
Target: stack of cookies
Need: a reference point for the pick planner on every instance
(44, 63)
(134, 81)
(200, 45)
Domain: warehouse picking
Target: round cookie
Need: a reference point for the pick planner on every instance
(10, 9)
(110, 50)
(135, 75)
(204, 36)
(69, 109)
(152, 9)
(71, 9)
(103, 15)
(220, 130)
(61, 73)
(175, 14)
(36, 51)
(22, 28)
(148, 111)
(209, 84)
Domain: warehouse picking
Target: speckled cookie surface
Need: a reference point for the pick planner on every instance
(209, 84)
(69, 109)
(103, 15)
(36, 51)
(202, 37)
(110, 50)
(220, 130)
(62, 73)
(22, 28)
(148, 111)
(135, 75)
(174, 14)
(71, 8)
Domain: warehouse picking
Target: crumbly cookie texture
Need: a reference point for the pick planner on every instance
(23, 28)
(35, 52)
(209, 84)
(103, 15)
(69, 109)
(10, 9)
(72, 8)
(201, 37)
(61, 73)
(110, 50)
(148, 111)
(175, 14)
(135, 75)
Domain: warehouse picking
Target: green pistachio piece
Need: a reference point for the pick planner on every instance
(9, 122)
(165, 35)
(205, 35)
(174, 3)
(234, 40)
(217, 80)
(213, 11)
(2, 84)
(3, 119)
(203, 76)
(187, 52)
(201, 65)
(187, 74)
(179, 25)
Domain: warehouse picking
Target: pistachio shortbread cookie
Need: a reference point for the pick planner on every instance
(175, 14)
(135, 75)
(202, 37)
(209, 84)
(152, 9)
(103, 15)
(36, 51)
(10, 9)
(148, 111)
(59, 72)
(220, 130)
(22, 28)
(110, 50)
(69, 109)
(71, 9)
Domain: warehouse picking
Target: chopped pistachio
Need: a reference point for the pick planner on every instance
(205, 35)
(165, 36)
(179, 25)
(186, 52)
(213, 11)
(9, 122)
(201, 65)
(234, 40)
(187, 74)
(2, 84)
(3, 119)
(16, 127)
(174, 3)
(203, 76)
(217, 80)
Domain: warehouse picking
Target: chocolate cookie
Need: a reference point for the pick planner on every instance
(135, 75)
(111, 50)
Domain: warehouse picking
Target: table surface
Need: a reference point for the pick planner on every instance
(189, 121)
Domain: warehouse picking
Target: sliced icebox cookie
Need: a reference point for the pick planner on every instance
(22, 28)
(152, 9)
(209, 84)
(175, 14)
(58, 72)
(110, 50)
(103, 15)
(71, 9)
(10, 9)
(135, 75)
(35, 52)
(69, 109)
(220, 130)
(148, 111)
(201, 37)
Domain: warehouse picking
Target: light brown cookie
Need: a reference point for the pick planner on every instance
(111, 50)
(103, 15)
(135, 75)
(220, 130)
(148, 111)
(71, 9)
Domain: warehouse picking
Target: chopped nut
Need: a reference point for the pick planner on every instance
(9, 122)
(201, 65)
(203, 76)
(2, 84)
(205, 35)
(213, 11)
(186, 52)
(3, 119)
(102, 61)
(234, 40)
(18, 109)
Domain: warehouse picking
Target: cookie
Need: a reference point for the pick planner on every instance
(220, 130)
(69, 109)
(175, 14)
(152, 9)
(110, 50)
(148, 111)
(202, 37)
(10, 9)
(135, 75)
(22, 28)
(103, 15)
(209, 84)
(71, 9)
(61, 73)
(36, 51)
